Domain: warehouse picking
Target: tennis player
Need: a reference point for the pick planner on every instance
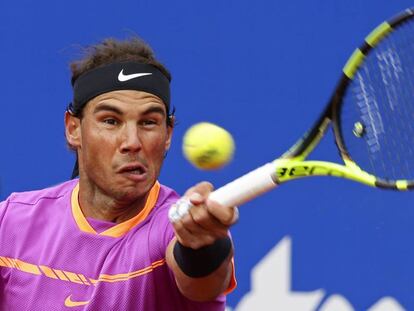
(103, 241)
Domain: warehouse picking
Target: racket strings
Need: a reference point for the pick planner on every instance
(377, 113)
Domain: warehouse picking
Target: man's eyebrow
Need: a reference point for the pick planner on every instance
(155, 109)
(106, 107)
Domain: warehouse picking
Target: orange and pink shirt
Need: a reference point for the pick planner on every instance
(53, 258)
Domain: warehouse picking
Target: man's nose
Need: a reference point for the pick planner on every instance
(130, 139)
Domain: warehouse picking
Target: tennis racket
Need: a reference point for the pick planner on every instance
(371, 113)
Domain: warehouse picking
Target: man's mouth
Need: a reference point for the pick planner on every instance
(133, 168)
(137, 171)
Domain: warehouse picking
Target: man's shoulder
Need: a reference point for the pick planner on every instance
(50, 193)
(166, 196)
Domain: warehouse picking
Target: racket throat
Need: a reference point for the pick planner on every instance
(304, 146)
(288, 170)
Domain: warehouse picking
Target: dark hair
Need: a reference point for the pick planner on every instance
(112, 50)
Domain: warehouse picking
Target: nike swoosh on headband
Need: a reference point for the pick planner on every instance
(123, 77)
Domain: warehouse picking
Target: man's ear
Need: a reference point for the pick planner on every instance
(72, 130)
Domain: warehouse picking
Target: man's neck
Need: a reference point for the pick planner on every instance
(98, 205)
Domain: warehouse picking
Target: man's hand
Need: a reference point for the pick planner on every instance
(206, 221)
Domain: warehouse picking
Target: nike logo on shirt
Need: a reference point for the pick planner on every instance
(123, 77)
(70, 303)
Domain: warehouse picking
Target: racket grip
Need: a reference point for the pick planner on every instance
(235, 193)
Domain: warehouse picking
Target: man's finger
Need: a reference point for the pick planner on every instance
(226, 215)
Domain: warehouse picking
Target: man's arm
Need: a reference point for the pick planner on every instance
(200, 255)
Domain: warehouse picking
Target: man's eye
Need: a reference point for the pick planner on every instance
(148, 122)
(110, 121)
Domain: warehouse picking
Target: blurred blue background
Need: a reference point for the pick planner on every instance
(261, 69)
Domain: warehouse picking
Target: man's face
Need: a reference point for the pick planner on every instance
(123, 137)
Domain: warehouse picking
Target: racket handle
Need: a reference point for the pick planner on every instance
(235, 193)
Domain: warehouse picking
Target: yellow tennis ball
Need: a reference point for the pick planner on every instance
(208, 146)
